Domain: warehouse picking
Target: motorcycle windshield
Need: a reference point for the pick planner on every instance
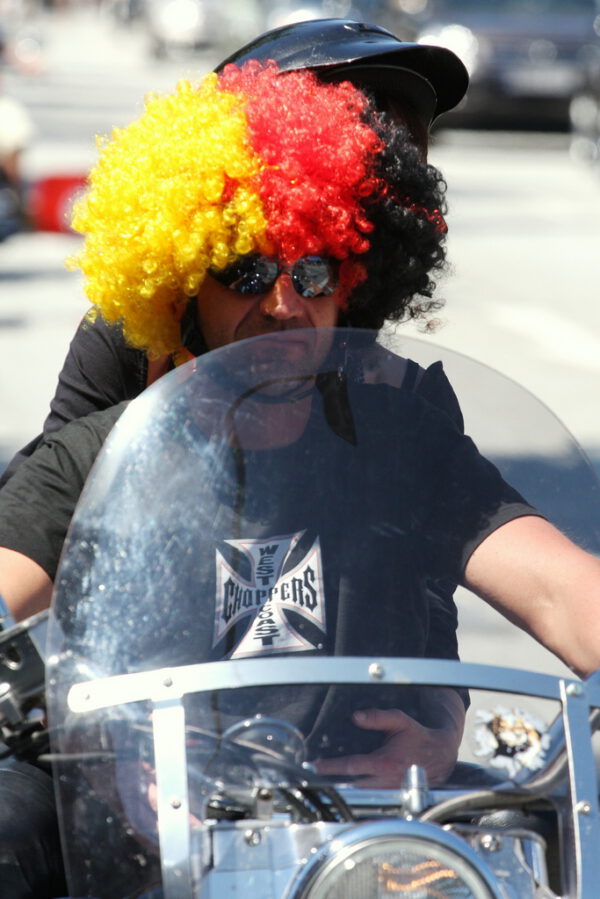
(274, 539)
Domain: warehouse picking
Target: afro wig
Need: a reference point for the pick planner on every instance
(254, 160)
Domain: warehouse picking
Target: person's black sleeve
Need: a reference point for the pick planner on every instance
(37, 504)
(469, 499)
(99, 371)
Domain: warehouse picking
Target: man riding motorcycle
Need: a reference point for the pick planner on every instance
(330, 217)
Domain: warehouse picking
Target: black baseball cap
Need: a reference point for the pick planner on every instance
(432, 79)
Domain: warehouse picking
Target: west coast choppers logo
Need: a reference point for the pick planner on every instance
(267, 593)
(511, 740)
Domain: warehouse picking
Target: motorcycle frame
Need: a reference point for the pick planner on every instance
(166, 688)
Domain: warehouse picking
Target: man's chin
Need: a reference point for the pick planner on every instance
(289, 359)
(303, 348)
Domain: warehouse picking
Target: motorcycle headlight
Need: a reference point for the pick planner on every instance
(387, 859)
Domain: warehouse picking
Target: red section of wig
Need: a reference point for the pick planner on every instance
(318, 154)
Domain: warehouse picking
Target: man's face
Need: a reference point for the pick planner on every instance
(225, 316)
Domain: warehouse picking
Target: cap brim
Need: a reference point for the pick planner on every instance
(334, 45)
(440, 68)
(405, 84)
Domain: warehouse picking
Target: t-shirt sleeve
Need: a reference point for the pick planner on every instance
(469, 499)
(38, 502)
(100, 370)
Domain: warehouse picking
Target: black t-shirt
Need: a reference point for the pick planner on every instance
(358, 556)
(37, 504)
(101, 371)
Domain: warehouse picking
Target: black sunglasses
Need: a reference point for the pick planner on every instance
(312, 276)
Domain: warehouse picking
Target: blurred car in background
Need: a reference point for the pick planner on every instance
(124, 12)
(377, 12)
(181, 27)
(527, 58)
(584, 113)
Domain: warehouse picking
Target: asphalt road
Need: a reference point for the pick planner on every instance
(524, 240)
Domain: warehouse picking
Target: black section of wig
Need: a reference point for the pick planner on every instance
(408, 249)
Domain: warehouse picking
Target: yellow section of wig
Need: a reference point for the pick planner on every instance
(172, 194)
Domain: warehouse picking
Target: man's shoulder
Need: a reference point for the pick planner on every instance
(65, 457)
(91, 430)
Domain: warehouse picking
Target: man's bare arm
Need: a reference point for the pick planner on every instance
(24, 585)
(544, 583)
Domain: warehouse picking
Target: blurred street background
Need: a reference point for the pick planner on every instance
(520, 158)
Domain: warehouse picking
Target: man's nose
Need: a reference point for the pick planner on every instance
(282, 302)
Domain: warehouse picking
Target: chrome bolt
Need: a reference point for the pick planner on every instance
(253, 837)
(376, 671)
(175, 803)
(574, 689)
(490, 842)
(583, 807)
(168, 682)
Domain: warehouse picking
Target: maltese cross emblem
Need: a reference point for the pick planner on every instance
(266, 595)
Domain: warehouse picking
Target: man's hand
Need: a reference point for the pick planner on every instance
(406, 742)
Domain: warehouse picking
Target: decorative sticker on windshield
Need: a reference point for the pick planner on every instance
(511, 739)
(266, 587)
